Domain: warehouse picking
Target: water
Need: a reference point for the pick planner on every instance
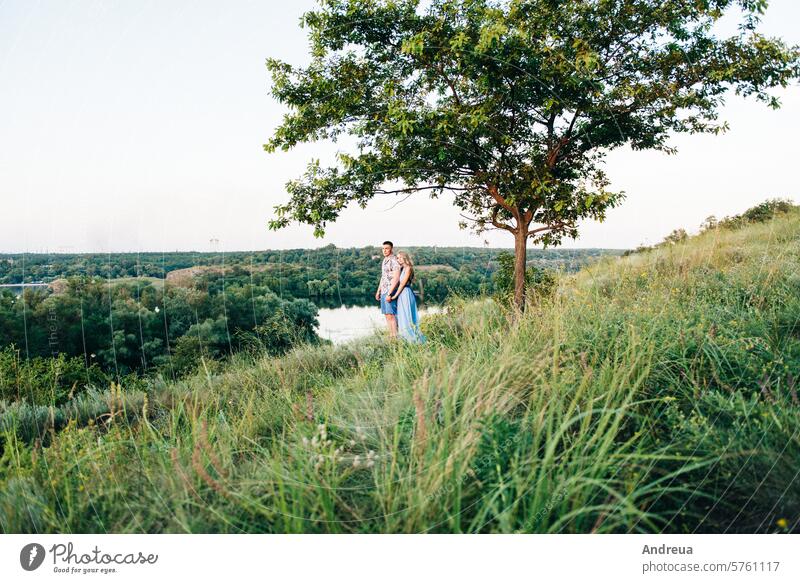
(17, 288)
(345, 323)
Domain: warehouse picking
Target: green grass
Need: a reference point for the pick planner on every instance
(651, 393)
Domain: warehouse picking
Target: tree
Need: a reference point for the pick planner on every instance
(511, 106)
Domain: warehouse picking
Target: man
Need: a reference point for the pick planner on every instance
(390, 277)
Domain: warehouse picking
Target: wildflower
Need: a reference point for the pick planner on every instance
(782, 522)
(352, 442)
(305, 441)
(356, 461)
(314, 441)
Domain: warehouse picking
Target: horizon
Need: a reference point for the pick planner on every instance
(356, 247)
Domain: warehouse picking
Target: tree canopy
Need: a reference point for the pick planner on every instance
(509, 105)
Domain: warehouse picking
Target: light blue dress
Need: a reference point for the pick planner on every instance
(407, 320)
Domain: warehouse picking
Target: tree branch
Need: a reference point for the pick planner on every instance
(552, 156)
(498, 224)
(548, 227)
(418, 188)
(495, 194)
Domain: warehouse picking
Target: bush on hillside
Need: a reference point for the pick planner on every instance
(675, 236)
(761, 213)
(539, 283)
(45, 380)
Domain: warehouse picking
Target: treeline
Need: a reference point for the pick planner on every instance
(331, 287)
(328, 271)
(327, 276)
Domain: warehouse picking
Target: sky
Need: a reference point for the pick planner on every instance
(139, 125)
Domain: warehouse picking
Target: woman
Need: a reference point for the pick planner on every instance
(407, 321)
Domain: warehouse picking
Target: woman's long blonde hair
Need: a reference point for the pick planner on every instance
(407, 260)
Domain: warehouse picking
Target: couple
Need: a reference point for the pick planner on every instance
(398, 302)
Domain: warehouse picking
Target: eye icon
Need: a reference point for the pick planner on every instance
(31, 556)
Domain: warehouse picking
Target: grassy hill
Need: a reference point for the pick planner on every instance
(654, 392)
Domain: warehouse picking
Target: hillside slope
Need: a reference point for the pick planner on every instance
(654, 392)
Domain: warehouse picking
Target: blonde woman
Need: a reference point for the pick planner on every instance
(407, 320)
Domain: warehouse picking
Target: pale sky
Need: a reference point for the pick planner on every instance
(138, 126)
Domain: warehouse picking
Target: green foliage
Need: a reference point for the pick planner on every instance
(288, 327)
(501, 438)
(760, 213)
(137, 327)
(746, 484)
(31, 422)
(45, 380)
(539, 282)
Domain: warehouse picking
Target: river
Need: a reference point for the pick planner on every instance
(344, 323)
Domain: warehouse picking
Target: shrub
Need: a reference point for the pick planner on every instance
(760, 213)
(539, 283)
(676, 236)
(45, 380)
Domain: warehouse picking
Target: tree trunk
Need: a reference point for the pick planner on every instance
(520, 260)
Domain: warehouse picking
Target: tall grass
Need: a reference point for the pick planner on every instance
(650, 393)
